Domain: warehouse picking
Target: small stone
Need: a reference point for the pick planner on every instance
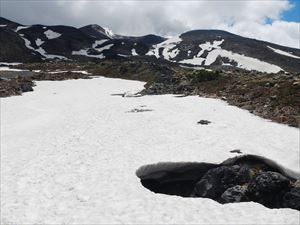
(236, 151)
(204, 122)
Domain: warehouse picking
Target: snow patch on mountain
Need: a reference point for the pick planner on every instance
(122, 55)
(106, 47)
(133, 52)
(10, 63)
(278, 51)
(207, 46)
(99, 42)
(244, 62)
(41, 50)
(49, 56)
(84, 52)
(27, 43)
(3, 25)
(108, 32)
(6, 68)
(51, 34)
(195, 61)
(169, 51)
(39, 42)
(21, 28)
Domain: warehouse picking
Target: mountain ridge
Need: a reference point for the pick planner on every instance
(215, 49)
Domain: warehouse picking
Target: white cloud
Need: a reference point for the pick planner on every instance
(279, 32)
(246, 18)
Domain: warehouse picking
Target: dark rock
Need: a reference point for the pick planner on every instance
(268, 188)
(26, 86)
(236, 151)
(204, 122)
(216, 181)
(291, 199)
(234, 194)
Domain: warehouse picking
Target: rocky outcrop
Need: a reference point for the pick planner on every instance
(11, 84)
(15, 86)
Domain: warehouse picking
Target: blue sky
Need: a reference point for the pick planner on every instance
(294, 13)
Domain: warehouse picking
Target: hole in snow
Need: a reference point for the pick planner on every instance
(239, 179)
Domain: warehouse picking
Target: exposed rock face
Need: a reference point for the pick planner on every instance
(15, 86)
(240, 179)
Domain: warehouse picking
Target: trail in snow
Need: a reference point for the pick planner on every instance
(69, 153)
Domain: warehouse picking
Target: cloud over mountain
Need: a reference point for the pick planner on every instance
(256, 19)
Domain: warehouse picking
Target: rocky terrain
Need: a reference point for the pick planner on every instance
(271, 96)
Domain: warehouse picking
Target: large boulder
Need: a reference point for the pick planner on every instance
(217, 180)
(268, 188)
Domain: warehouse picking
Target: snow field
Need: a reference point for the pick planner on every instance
(70, 150)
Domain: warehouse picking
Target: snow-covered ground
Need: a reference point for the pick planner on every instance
(70, 150)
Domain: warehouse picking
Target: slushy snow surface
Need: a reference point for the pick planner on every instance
(70, 150)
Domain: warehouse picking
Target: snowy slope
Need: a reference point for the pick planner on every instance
(214, 51)
(70, 150)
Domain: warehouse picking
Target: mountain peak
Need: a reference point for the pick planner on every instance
(96, 31)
